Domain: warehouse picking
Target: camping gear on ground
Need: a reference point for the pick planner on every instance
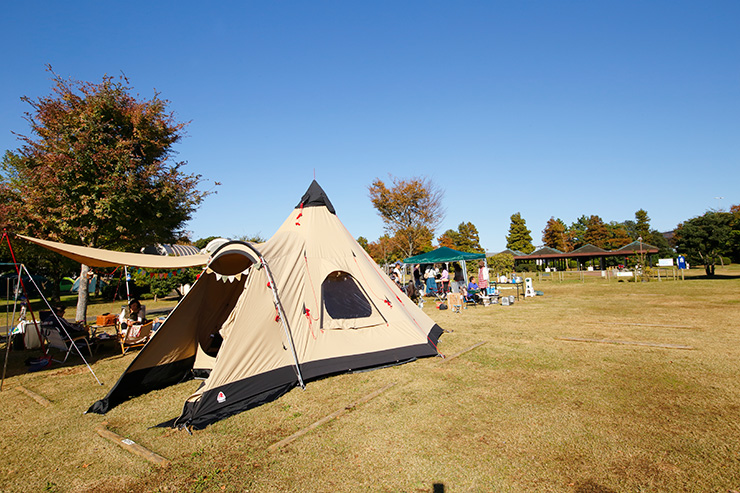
(307, 303)
(105, 319)
(529, 288)
(25, 335)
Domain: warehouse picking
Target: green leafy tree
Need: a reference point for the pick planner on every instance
(97, 170)
(252, 238)
(519, 237)
(735, 233)
(469, 238)
(162, 282)
(411, 210)
(201, 243)
(501, 263)
(362, 241)
(554, 234)
(631, 228)
(465, 239)
(640, 228)
(642, 224)
(576, 233)
(705, 238)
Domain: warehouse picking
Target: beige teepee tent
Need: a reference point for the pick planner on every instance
(264, 318)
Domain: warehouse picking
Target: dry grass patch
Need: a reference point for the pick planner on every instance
(523, 412)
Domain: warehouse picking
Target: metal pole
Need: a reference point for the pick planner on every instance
(283, 321)
(7, 330)
(128, 294)
(79, 351)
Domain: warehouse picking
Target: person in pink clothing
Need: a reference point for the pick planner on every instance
(482, 276)
(445, 278)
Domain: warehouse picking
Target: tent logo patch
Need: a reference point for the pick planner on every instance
(221, 397)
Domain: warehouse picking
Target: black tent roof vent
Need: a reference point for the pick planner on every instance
(316, 197)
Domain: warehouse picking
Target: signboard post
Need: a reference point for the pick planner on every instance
(666, 262)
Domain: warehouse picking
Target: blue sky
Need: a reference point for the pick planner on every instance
(544, 108)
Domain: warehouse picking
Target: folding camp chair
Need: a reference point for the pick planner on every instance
(433, 289)
(471, 299)
(134, 336)
(55, 340)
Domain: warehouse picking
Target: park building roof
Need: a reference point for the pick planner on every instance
(589, 250)
(515, 253)
(636, 247)
(546, 250)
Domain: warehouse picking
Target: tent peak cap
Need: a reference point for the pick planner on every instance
(315, 197)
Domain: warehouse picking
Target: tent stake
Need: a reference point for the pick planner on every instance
(285, 441)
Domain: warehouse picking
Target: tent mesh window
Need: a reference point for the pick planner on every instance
(343, 298)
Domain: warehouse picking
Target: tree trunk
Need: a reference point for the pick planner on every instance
(82, 295)
(56, 278)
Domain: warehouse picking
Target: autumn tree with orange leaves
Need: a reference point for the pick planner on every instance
(97, 170)
(411, 210)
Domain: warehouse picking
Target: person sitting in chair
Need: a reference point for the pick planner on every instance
(158, 321)
(136, 315)
(67, 329)
(474, 290)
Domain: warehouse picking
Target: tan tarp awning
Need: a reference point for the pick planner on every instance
(97, 257)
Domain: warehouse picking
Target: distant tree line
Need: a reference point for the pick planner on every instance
(412, 209)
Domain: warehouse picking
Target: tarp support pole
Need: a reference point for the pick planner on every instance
(79, 352)
(128, 294)
(7, 329)
(283, 321)
(25, 291)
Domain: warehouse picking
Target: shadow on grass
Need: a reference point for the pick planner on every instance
(716, 277)
(18, 359)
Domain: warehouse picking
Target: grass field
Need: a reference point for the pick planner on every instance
(526, 411)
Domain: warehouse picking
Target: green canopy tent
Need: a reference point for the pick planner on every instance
(445, 254)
